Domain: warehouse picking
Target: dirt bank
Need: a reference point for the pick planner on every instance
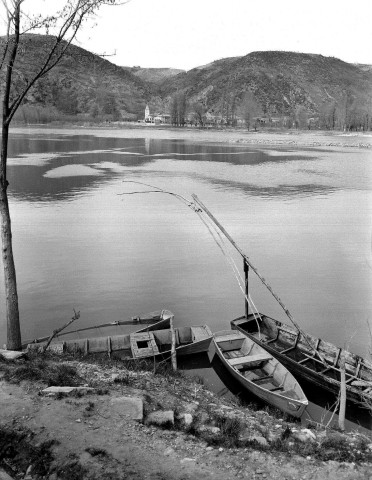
(186, 431)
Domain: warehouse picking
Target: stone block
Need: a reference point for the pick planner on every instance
(161, 418)
(128, 407)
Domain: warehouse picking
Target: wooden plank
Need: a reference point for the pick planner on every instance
(198, 333)
(151, 349)
(258, 379)
(226, 338)
(259, 357)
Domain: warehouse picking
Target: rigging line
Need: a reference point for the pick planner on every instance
(263, 280)
(234, 267)
(159, 190)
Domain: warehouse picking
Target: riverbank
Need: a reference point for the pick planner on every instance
(294, 138)
(125, 421)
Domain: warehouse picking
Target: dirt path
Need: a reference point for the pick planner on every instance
(93, 440)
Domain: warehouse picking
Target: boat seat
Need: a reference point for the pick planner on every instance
(225, 338)
(248, 359)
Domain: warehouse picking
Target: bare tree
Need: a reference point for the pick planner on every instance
(199, 111)
(178, 108)
(63, 25)
(249, 109)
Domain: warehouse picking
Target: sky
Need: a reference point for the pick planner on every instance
(188, 33)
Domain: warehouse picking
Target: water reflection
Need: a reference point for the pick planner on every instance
(32, 181)
(302, 216)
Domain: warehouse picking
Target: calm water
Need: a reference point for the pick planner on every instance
(302, 216)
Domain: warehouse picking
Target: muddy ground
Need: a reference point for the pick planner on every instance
(89, 437)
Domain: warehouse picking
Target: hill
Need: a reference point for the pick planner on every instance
(82, 83)
(276, 84)
(153, 75)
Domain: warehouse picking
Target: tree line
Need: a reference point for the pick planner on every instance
(346, 115)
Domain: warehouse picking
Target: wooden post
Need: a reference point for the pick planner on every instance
(173, 345)
(341, 413)
(246, 272)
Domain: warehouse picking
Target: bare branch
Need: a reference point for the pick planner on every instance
(55, 332)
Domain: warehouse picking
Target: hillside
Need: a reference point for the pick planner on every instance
(279, 83)
(153, 75)
(82, 83)
(291, 87)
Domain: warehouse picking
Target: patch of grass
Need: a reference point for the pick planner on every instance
(17, 453)
(41, 370)
(71, 470)
(97, 452)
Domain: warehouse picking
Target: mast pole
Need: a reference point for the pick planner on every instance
(249, 264)
(246, 272)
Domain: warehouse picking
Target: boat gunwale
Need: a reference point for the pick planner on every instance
(302, 403)
(355, 394)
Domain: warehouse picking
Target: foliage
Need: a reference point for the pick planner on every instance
(178, 107)
(38, 369)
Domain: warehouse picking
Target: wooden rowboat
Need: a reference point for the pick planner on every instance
(259, 372)
(156, 320)
(152, 341)
(310, 358)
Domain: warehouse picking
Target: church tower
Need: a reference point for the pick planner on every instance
(147, 112)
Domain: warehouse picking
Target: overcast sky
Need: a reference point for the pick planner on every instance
(188, 33)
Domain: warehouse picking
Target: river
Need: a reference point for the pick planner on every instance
(83, 241)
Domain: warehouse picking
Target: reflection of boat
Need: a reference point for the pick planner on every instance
(309, 357)
(259, 372)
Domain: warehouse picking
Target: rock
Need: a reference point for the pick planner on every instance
(185, 419)
(337, 437)
(190, 407)
(51, 391)
(11, 354)
(168, 451)
(209, 429)
(128, 407)
(4, 475)
(188, 461)
(305, 436)
(161, 418)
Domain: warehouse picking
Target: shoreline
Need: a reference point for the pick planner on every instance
(181, 431)
(291, 138)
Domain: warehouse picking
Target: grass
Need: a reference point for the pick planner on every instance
(17, 453)
(40, 370)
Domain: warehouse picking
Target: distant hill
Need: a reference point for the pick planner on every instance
(81, 83)
(153, 75)
(278, 82)
(364, 67)
(268, 84)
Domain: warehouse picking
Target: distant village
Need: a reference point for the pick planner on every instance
(207, 119)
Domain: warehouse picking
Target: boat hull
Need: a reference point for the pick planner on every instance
(293, 406)
(299, 355)
(149, 342)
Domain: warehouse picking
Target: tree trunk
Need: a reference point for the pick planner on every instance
(10, 282)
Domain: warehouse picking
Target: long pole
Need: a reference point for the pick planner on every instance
(246, 272)
(249, 263)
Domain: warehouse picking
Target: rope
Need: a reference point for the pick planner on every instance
(201, 208)
(221, 243)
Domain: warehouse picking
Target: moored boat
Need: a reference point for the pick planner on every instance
(310, 358)
(259, 372)
(144, 343)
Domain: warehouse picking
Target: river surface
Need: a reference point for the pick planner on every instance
(83, 241)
